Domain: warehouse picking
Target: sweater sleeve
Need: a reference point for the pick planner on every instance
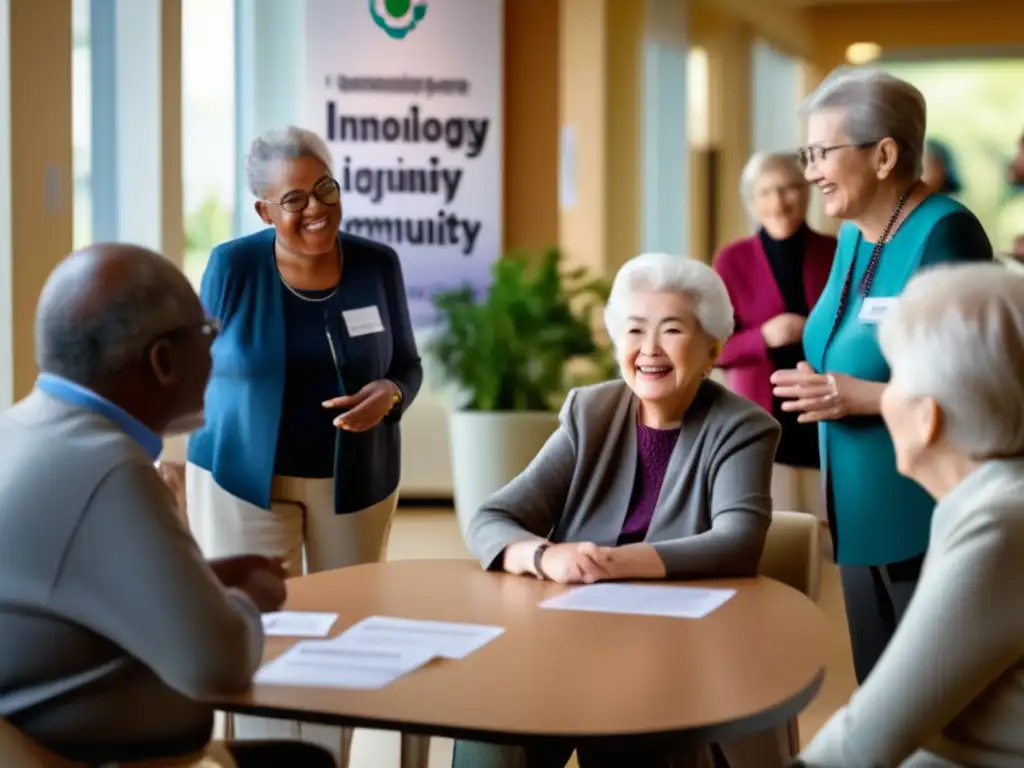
(406, 369)
(740, 505)
(134, 575)
(957, 238)
(746, 345)
(531, 504)
(962, 631)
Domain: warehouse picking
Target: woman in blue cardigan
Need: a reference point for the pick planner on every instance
(314, 367)
(865, 133)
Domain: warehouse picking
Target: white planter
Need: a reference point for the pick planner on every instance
(489, 448)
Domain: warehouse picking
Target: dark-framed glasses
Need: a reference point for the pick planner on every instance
(327, 191)
(815, 153)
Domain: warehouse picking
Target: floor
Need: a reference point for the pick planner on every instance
(419, 533)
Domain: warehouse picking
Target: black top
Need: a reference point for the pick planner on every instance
(306, 435)
(798, 446)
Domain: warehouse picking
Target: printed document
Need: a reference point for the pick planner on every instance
(677, 602)
(448, 640)
(298, 623)
(325, 664)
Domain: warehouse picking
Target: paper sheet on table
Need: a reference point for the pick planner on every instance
(446, 639)
(677, 602)
(325, 664)
(298, 623)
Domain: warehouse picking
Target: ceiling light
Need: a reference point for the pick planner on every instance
(863, 53)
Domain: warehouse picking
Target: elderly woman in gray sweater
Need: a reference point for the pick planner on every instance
(662, 474)
(948, 691)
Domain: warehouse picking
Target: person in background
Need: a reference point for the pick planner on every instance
(949, 690)
(314, 367)
(687, 480)
(113, 628)
(774, 279)
(941, 173)
(865, 132)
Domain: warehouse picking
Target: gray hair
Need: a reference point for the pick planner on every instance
(765, 162)
(876, 105)
(956, 334)
(272, 146)
(679, 274)
(88, 339)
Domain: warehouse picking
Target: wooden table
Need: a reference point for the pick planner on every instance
(753, 664)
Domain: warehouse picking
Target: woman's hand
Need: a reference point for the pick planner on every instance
(576, 563)
(367, 407)
(784, 329)
(825, 396)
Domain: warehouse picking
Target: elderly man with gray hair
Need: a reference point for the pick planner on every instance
(313, 369)
(866, 134)
(949, 690)
(112, 625)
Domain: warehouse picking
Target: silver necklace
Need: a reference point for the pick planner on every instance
(310, 299)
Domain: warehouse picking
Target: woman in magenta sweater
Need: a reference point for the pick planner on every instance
(774, 278)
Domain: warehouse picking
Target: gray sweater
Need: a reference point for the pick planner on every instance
(111, 622)
(949, 689)
(712, 514)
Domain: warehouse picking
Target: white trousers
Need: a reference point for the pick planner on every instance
(796, 489)
(302, 528)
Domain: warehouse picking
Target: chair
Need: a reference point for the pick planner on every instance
(19, 751)
(792, 555)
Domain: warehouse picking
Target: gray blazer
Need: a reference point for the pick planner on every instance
(111, 622)
(711, 518)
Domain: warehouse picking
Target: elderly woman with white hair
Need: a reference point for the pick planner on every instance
(774, 279)
(313, 368)
(661, 474)
(949, 690)
(866, 135)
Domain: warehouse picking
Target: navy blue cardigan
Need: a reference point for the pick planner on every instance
(238, 444)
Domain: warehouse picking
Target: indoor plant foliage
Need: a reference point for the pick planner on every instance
(512, 348)
(512, 352)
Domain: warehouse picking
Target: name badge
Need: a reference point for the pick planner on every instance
(873, 309)
(363, 321)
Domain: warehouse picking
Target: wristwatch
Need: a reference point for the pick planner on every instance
(538, 553)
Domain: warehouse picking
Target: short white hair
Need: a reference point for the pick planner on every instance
(876, 105)
(289, 143)
(956, 334)
(698, 282)
(765, 162)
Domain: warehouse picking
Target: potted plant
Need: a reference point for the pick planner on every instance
(512, 353)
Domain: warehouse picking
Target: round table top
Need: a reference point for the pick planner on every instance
(752, 664)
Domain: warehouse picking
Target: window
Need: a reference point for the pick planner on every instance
(81, 121)
(209, 147)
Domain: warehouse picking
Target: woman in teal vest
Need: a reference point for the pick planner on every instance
(865, 132)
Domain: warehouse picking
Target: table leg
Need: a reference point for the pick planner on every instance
(415, 750)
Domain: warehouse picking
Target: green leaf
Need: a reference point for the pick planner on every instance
(510, 349)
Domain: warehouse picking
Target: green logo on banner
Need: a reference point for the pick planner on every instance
(398, 17)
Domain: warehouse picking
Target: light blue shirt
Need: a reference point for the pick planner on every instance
(75, 394)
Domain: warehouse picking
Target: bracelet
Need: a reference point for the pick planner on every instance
(538, 553)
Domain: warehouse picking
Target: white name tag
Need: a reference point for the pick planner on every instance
(363, 321)
(873, 309)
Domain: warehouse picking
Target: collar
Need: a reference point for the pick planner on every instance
(81, 397)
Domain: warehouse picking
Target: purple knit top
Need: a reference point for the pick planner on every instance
(653, 450)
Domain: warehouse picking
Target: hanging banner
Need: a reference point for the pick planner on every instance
(408, 96)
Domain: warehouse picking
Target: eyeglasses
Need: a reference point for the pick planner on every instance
(327, 191)
(808, 156)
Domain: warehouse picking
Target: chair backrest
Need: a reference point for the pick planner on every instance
(19, 751)
(793, 553)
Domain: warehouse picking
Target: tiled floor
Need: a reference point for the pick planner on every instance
(434, 533)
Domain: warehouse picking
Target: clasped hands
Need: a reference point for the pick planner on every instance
(261, 578)
(824, 396)
(587, 563)
(366, 408)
